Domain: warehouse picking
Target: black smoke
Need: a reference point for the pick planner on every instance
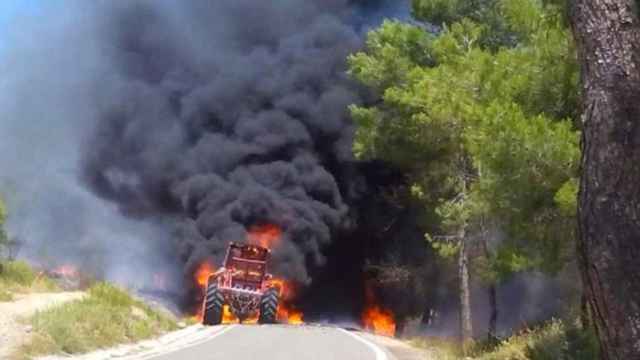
(221, 115)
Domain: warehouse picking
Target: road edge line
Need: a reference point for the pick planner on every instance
(188, 345)
(380, 354)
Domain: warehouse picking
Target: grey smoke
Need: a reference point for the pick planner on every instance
(50, 70)
(190, 121)
(224, 115)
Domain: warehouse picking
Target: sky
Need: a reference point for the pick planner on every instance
(10, 10)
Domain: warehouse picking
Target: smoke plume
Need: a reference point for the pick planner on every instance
(224, 115)
(145, 135)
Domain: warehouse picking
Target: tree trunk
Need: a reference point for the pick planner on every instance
(493, 319)
(607, 33)
(466, 330)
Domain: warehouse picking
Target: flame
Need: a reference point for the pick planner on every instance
(227, 316)
(287, 289)
(267, 236)
(286, 313)
(66, 270)
(201, 276)
(379, 320)
(375, 318)
(289, 315)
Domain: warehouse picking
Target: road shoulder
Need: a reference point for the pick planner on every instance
(13, 333)
(398, 349)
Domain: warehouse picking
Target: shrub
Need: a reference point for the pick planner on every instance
(555, 340)
(106, 317)
(18, 276)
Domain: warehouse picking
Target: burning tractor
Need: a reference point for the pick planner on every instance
(244, 285)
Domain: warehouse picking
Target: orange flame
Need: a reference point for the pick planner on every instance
(227, 316)
(201, 276)
(379, 320)
(286, 313)
(289, 315)
(375, 318)
(267, 236)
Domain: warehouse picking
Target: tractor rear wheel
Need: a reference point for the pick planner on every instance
(269, 306)
(213, 305)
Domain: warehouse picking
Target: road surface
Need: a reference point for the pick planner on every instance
(261, 342)
(280, 342)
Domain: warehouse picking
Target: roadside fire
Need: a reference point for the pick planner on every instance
(379, 321)
(375, 318)
(67, 276)
(289, 315)
(65, 271)
(202, 274)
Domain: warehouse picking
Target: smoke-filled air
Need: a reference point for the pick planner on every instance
(223, 116)
(195, 120)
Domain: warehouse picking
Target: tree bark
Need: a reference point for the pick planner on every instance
(607, 33)
(466, 329)
(493, 319)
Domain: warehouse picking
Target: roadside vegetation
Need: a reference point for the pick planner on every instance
(477, 104)
(551, 341)
(107, 316)
(17, 277)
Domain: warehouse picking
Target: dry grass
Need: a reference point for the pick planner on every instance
(553, 341)
(439, 348)
(106, 317)
(17, 277)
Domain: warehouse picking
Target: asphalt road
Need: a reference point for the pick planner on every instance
(280, 342)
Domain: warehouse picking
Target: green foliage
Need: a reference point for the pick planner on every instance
(481, 118)
(554, 341)
(566, 198)
(501, 18)
(105, 317)
(18, 272)
(445, 249)
(393, 51)
(19, 277)
(582, 344)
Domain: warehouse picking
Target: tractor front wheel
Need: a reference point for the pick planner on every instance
(213, 305)
(269, 306)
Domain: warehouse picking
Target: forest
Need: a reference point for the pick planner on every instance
(479, 104)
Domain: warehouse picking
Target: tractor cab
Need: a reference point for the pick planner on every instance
(247, 264)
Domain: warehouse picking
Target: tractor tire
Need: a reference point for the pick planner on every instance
(213, 306)
(269, 306)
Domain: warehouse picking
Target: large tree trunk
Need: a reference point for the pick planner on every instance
(493, 319)
(607, 33)
(466, 330)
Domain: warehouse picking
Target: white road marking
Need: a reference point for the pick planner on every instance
(380, 354)
(195, 343)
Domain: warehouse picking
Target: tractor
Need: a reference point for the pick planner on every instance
(244, 285)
